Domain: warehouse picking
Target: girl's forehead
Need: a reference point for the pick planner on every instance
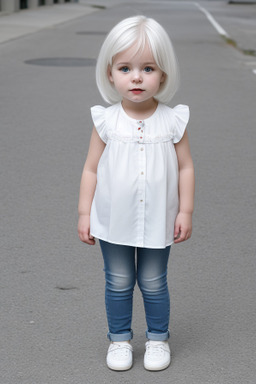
(134, 54)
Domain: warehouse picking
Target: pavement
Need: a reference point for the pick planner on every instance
(52, 319)
(239, 22)
(22, 23)
(237, 19)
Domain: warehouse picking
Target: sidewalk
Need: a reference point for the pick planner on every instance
(29, 21)
(238, 20)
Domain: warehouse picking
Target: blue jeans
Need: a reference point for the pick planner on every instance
(121, 274)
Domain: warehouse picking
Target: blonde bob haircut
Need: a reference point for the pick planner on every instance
(138, 31)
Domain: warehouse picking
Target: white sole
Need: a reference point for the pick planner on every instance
(119, 368)
(149, 368)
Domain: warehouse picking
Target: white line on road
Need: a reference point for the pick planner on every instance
(215, 24)
(252, 63)
(211, 19)
(209, 16)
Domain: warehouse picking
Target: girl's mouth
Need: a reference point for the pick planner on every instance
(136, 91)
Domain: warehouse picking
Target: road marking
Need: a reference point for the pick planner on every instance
(221, 31)
(252, 63)
(214, 23)
(209, 16)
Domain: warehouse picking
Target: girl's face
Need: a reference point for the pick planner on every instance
(137, 78)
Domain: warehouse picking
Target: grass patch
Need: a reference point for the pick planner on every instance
(249, 52)
(233, 43)
(98, 6)
(230, 41)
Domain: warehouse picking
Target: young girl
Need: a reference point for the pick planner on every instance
(137, 186)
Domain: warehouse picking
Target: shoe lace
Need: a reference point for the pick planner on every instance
(122, 350)
(155, 349)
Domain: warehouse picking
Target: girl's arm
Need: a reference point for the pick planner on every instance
(183, 223)
(87, 187)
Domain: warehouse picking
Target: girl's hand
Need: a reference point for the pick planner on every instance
(84, 230)
(183, 227)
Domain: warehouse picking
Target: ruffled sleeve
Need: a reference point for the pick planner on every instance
(181, 118)
(98, 117)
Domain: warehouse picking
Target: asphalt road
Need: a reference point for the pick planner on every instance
(53, 326)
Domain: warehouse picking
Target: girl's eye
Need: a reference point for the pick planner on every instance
(124, 69)
(148, 69)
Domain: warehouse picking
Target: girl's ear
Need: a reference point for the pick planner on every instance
(163, 77)
(110, 77)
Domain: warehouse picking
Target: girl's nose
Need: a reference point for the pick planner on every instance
(137, 78)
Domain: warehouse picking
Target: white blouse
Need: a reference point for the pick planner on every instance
(136, 198)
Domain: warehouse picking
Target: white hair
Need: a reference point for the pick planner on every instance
(138, 30)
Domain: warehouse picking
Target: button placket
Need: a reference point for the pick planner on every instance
(140, 125)
(141, 183)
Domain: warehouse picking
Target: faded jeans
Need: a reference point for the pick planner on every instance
(122, 269)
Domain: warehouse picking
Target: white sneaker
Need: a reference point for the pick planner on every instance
(119, 357)
(157, 355)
